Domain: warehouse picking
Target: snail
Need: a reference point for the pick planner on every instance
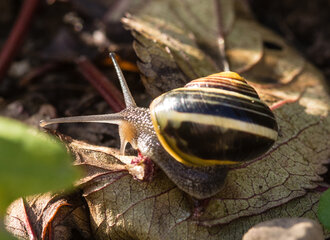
(194, 133)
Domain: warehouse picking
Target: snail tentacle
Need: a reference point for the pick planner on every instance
(129, 100)
(127, 131)
(114, 118)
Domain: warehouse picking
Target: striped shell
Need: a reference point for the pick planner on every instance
(218, 119)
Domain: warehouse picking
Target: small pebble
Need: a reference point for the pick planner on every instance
(286, 228)
(19, 68)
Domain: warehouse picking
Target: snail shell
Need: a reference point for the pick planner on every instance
(218, 119)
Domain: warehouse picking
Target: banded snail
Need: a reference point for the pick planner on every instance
(194, 133)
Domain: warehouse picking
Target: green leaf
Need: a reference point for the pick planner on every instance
(31, 162)
(5, 235)
(324, 209)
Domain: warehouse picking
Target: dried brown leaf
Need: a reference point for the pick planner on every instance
(123, 208)
(48, 216)
(284, 182)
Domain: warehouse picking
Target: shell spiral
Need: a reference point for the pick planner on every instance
(218, 119)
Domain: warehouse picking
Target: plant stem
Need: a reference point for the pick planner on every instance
(16, 37)
(221, 37)
(107, 90)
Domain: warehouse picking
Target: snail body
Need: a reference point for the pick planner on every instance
(196, 132)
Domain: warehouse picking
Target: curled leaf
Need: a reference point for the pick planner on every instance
(48, 216)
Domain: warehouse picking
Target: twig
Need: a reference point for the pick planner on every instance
(221, 38)
(16, 37)
(37, 72)
(107, 90)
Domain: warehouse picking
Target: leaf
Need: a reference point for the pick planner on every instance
(102, 166)
(30, 162)
(324, 209)
(5, 235)
(123, 208)
(173, 51)
(48, 216)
